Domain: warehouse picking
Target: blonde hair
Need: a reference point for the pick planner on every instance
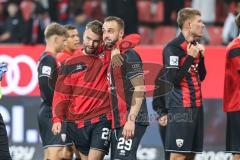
(186, 14)
(55, 29)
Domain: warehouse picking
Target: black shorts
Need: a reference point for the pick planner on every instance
(4, 149)
(184, 131)
(93, 136)
(122, 149)
(45, 129)
(233, 132)
(162, 131)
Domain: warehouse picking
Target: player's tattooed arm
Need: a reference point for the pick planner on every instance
(137, 99)
(116, 58)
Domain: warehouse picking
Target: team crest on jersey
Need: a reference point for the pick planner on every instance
(193, 68)
(174, 60)
(46, 70)
(122, 152)
(179, 142)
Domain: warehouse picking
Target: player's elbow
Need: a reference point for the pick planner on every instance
(140, 91)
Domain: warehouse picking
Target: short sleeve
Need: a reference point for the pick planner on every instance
(48, 68)
(133, 64)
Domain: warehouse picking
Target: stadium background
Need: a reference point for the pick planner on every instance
(20, 103)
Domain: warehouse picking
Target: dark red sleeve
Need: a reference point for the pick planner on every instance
(130, 41)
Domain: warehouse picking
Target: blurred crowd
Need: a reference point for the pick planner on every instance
(24, 21)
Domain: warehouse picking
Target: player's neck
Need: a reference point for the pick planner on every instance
(68, 50)
(83, 52)
(188, 36)
(51, 50)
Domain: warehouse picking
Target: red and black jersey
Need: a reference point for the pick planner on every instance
(231, 100)
(81, 92)
(48, 68)
(47, 76)
(184, 73)
(62, 56)
(122, 89)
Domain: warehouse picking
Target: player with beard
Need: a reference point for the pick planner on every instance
(130, 115)
(81, 96)
(181, 110)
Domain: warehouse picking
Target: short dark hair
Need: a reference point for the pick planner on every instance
(186, 14)
(55, 29)
(69, 27)
(119, 21)
(95, 26)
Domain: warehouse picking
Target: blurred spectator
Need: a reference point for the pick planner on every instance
(171, 7)
(230, 29)
(2, 17)
(79, 20)
(3, 1)
(75, 5)
(207, 9)
(12, 29)
(34, 22)
(93, 9)
(127, 10)
(43, 3)
(44, 19)
(53, 12)
(63, 11)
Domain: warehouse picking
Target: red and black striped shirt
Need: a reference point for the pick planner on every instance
(185, 73)
(81, 92)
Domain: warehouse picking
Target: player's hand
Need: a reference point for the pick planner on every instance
(116, 58)
(192, 50)
(163, 120)
(56, 128)
(128, 129)
(201, 48)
